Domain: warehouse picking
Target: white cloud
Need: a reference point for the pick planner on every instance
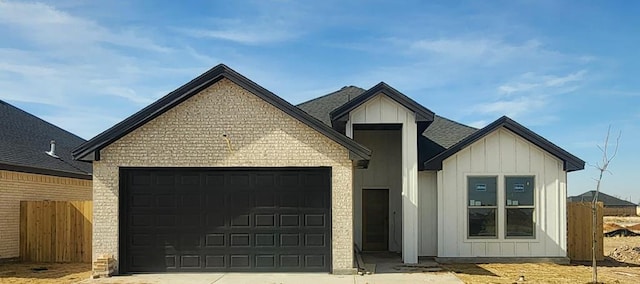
(75, 63)
(478, 123)
(128, 94)
(47, 25)
(529, 82)
(270, 22)
(244, 34)
(513, 107)
(479, 50)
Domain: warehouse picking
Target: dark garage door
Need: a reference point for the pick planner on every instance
(225, 219)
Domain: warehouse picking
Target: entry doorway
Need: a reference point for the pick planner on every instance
(375, 219)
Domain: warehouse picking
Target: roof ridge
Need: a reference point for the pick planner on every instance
(332, 93)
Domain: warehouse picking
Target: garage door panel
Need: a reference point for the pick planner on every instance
(165, 200)
(289, 200)
(265, 261)
(166, 241)
(314, 220)
(240, 200)
(165, 179)
(265, 181)
(141, 201)
(289, 220)
(265, 240)
(216, 240)
(265, 198)
(315, 260)
(241, 220)
(227, 220)
(239, 261)
(141, 179)
(240, 181)
(290, 240)
(215, 219)
(190, 261)
(265, 220)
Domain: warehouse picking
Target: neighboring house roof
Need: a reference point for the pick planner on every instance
(440, 134)
(91, 149)
(25, 138)
(607, 200)
(571, 162)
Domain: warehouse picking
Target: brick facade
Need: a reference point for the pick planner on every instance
(18, 186)
(191, 135)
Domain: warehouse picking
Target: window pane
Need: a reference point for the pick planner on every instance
(482, 191)
(482, 222)
(520, 222)
(519, 191)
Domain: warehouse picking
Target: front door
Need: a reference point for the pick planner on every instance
(375, 219)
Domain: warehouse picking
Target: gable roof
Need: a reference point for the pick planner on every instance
(91, 149)
(440, 134)
(571, 162)
(340, 114)
(24, 140)
(607, 200)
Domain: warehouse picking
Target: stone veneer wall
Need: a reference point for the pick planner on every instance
(190, 135)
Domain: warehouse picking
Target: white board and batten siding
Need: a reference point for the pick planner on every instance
(381, 109)
(427, 213)
(502, 153)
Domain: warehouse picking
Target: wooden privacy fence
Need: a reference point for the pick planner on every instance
(579, 233)
(56, 231)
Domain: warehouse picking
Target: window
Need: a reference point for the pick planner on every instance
(482, 206)
(519, 207)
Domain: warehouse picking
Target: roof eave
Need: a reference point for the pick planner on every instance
(89, 151)
(422, 114)
(43, 171)
(570, 162)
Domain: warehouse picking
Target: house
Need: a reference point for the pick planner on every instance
(612, 206)
(32, 167)
(223, 175)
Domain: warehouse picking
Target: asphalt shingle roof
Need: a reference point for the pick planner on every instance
(441, 134)
(607, 200)
(321, 107)
(24, 139)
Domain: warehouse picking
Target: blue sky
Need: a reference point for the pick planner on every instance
(565, 69)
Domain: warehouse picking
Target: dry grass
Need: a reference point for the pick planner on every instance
(622, 220)
(541, 273)
(609, 271)
(55, 273)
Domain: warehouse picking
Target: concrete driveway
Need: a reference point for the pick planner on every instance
(280, 278)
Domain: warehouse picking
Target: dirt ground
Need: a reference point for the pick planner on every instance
(33, 273)
(623, 267)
